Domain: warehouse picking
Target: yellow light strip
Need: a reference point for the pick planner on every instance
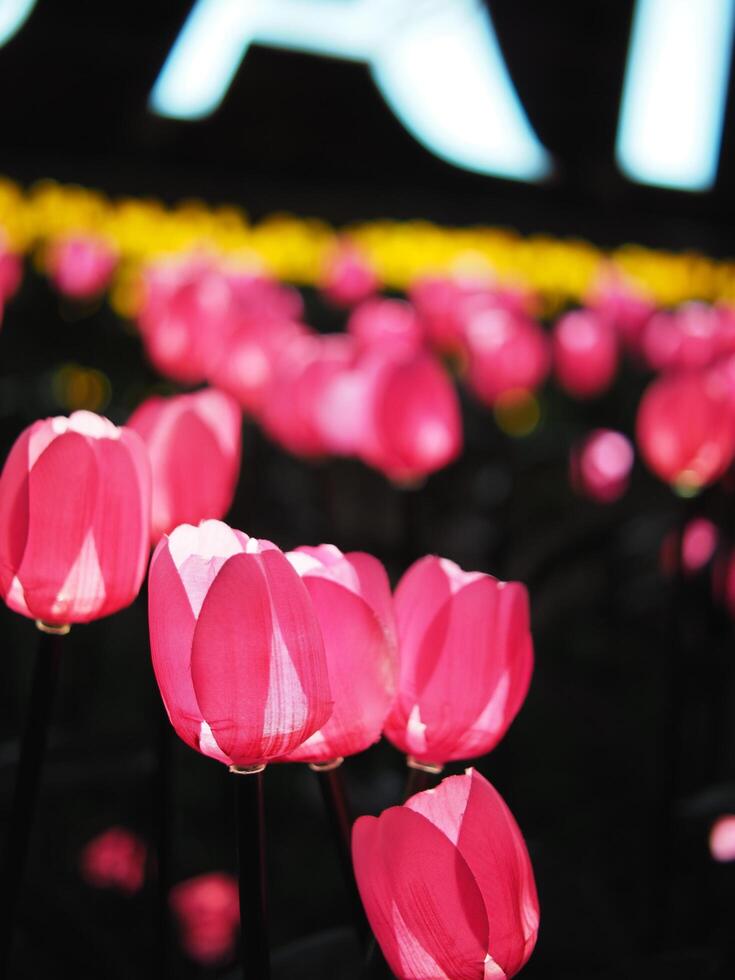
(560, 270)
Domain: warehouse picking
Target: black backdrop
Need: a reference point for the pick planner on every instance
(625, 750)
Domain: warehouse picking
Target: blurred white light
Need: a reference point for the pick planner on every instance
(437, 63)
(13, 14)
(675, 91)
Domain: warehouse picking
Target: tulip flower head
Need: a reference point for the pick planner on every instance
(81, 265)
(237, 649)
(686, 429)
(507, 353)
(348, 276)
(585, 351)
(352, 600)
(115, 859)
(466, 658)
(75, 500)
(600, 465)
(447, 883)
(194, 443)
(722, 838)
(208, 911)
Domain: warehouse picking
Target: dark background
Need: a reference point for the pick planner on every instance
(625, 750)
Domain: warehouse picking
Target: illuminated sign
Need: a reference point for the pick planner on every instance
(437, 64)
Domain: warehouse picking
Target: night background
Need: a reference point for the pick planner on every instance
(623, 754)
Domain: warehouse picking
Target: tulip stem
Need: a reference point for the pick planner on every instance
(332, 786)
(163, 795)
(250, 814)
(27, 782)
(420, 776)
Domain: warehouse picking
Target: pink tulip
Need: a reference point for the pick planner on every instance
(194, 443)
(686, 429)
(624, 306)
(507, 353)
(114, 859)
(388, 324)
(75, 499)
(236, 645)
(188, 311)
(208, 911)
(601, 464)
(690, 338)
(585, 351)
(303, 371)
(245, 365)
(411, 421)
(466, 658)
(722, 838)
(81, 265)
(689, 550)
(11, 271)
(348, 277)
(447, 884)
(353, 603)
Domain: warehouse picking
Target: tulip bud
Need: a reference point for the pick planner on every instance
(11, 271)
(388, 324)
(352, 600)
(585, 353)
(600, 465)
(507, 353)
(208, 911)
(236, 645)
(465, 663)
(75, 500)
(447, 883)
(348, 277)
(81, 266)
(412, 424)
(194, 443)
(686, 429)
(722, 838)
(115, 859)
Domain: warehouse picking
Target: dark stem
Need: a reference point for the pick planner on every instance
(418, 780)
(332, 786)
(250, 815)
(27, 781)
(163, 796)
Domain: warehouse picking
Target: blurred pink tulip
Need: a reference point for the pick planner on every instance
(507, 353)
(194, 443)
(447, 883)
(600, 465)
(624, 306)
(245, 365)
(686, 429)
(75, 504)
(585, 349)
(81, 265)
(348, 276)
(465, 664)
(352, 600)
(302, 372)
(237, 649)
(688, 550)
(188, 311)
(692, 337)
(410, 416)
(388, 324)
(114, 859)
(11, 271)
(722, 838)
(208, 912)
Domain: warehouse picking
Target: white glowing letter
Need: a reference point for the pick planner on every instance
(675, 91)
(13, 14)
(437, 63)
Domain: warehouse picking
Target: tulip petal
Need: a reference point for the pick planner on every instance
(62, 495)
(172, 623)
(14, 510)
(474, 816)
(436, 909)
(360, 665)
